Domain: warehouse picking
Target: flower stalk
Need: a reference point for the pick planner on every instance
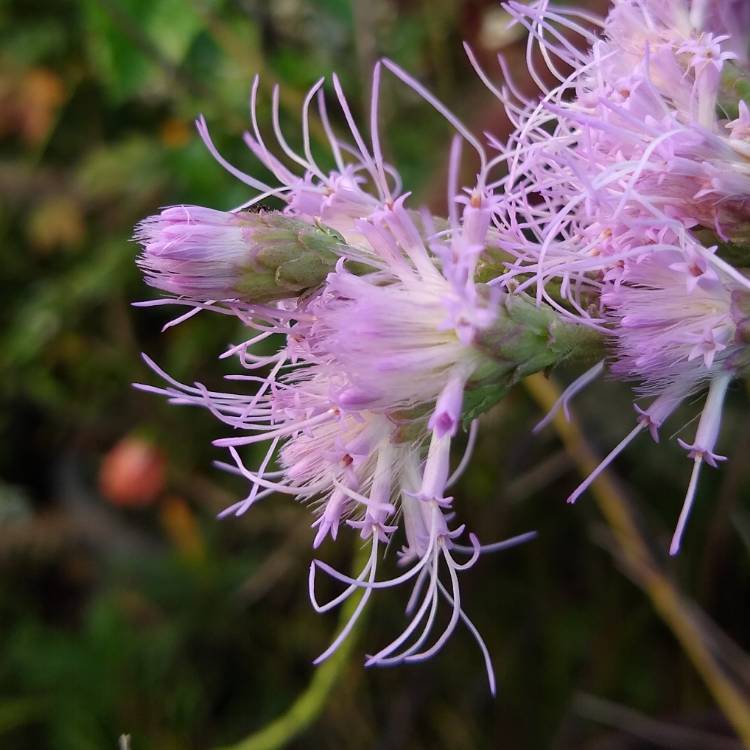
(646, 571)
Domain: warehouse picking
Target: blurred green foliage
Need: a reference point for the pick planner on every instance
(186, 632)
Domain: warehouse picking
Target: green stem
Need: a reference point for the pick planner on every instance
(310, 704)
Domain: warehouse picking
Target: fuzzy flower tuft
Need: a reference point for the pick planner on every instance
(390, 346)
(628, 183)
(201, 253)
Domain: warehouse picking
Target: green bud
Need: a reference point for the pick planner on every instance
(524, 339)
(527, 337)
(259, 257)
(288, 257)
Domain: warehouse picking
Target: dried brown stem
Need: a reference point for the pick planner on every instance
(679, 613)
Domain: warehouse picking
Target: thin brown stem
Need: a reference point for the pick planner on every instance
(676, 610)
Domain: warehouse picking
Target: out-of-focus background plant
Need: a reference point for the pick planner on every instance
(125, 606)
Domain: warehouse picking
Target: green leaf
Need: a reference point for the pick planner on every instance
(481, 399)
(123, 170)
(137, 45)
(17, 712)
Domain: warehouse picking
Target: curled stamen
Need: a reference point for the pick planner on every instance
(347, 629)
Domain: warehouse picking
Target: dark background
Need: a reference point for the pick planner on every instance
(125, 606)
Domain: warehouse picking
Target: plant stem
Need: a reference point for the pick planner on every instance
(676, 610)
(310, 704)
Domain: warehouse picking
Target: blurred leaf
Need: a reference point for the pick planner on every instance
(17, 712)
(56, 222)
(54, 303)
(135, 45)
(124, 169)
(30, 44)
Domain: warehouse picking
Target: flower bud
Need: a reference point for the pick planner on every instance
(527, 337)
(524, 338)
(204, 254)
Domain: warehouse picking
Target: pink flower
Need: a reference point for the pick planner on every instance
(360, 406)
(360, 183)
(615, 177)
(631, 138)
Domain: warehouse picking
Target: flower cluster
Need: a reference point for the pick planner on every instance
(628, 185)
(384, 328)
(609, 215)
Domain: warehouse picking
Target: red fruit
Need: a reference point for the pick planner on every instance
(132, 474)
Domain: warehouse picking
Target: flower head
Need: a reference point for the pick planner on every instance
(672, 319)
(204, 254)
(621, 174)
(632, 137)
(383, 336)
(358, 185)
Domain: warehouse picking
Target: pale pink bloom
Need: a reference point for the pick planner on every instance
(360, 406)
(610, 176)
(360, 183)
(677, 329)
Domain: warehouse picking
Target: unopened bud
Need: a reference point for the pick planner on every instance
(527, 337)
(205, 254)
